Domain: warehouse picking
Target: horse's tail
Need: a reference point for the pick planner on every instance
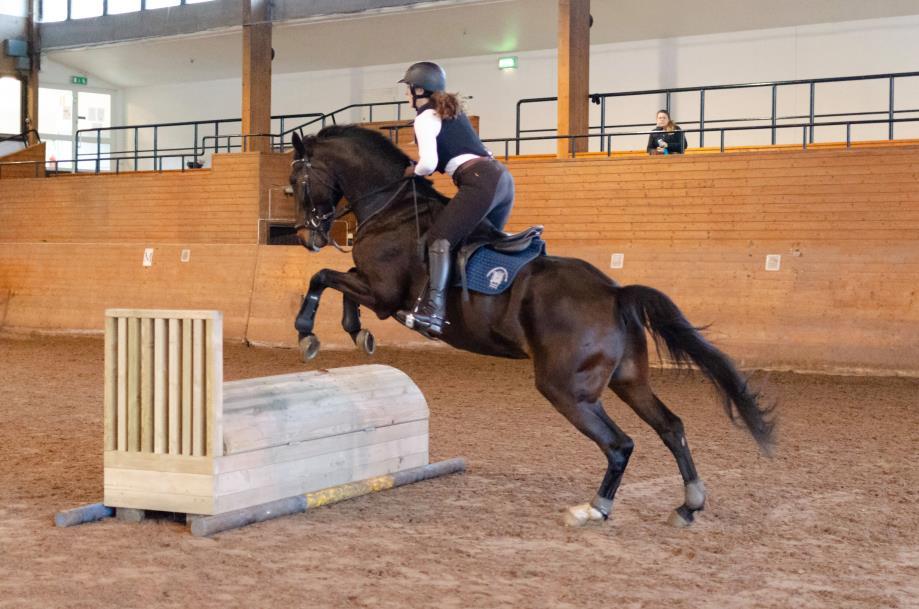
(643, 306)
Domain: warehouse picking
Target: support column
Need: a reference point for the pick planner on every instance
(256, 114)
(573, 74)
(30, 84)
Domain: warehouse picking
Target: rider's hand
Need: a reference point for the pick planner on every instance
(409, 171)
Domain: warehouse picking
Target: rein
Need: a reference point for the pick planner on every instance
(388, 202)
(315, 221)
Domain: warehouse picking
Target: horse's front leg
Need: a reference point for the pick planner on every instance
(356, 292)
(351, 322)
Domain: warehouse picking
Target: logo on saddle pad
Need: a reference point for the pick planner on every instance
(496, 277)
(489, 271)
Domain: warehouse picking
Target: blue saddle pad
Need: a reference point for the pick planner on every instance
(491, 272)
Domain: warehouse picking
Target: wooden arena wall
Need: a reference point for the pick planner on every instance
(845, 223)
(699, 227)
(32, 167)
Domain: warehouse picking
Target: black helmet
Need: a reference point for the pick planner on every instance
(427, 75)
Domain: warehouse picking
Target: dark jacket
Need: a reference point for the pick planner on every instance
(456, 137)
(676, 140)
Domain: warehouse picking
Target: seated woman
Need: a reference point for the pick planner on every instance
(447, 143)
(667, 137)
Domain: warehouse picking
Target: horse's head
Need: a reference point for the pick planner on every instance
(361, 165)
(316, 191)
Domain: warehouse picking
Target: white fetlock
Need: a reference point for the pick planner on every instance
(695, 495)
(579, 515)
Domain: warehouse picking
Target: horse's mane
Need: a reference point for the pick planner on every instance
(375, 144)
(370, 140)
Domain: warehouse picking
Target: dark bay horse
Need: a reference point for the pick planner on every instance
(583, 331)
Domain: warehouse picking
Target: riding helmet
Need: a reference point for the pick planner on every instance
(427, 75)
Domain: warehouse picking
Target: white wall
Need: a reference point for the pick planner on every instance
(815, 51)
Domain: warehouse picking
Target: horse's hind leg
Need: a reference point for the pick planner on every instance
(636, 392)
(577, 399)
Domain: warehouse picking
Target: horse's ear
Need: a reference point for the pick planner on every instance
(298, 144)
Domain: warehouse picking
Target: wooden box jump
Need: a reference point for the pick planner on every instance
(180, 439)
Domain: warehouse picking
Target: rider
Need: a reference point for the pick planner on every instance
(447, 143)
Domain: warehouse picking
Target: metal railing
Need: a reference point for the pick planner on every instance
(22, 137)
(72, 166)
(332, 115)
(774, 119)
(807, 128)
(199, 144)
(276, 143)
(156, 128)
(278, 140)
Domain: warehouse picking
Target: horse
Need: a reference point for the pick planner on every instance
(583, 331)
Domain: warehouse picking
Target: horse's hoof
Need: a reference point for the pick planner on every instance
(365, 342)
(579, 515)
(677, 520)
(309, 347)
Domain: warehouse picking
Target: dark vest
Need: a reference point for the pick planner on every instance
(456, 137)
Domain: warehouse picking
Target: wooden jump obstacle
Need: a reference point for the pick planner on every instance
(179, 439)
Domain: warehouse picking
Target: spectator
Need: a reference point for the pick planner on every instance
(667, 137)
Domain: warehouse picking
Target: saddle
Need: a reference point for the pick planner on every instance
(500, 256)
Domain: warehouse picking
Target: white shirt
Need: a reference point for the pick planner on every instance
(427, 128)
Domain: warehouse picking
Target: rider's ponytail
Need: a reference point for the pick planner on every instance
(446, 105)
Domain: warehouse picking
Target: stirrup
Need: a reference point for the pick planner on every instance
(408, 319)
(429, 323)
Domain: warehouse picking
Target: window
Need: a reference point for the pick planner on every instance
(87, 152)
(61, 112)
(13, 8)
(85, 9)
(55, 111)
(53, 10)
(56, 10)
(118, 7)
(10, 105)
(95, 110)
(59, 150)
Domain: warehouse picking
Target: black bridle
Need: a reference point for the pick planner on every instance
(322, 222)
(316, 222)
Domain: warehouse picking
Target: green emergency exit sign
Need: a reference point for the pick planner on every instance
(78, 80)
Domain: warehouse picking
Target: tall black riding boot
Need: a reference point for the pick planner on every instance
(429, 316)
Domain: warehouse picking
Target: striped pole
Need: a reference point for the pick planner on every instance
(204, 526)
